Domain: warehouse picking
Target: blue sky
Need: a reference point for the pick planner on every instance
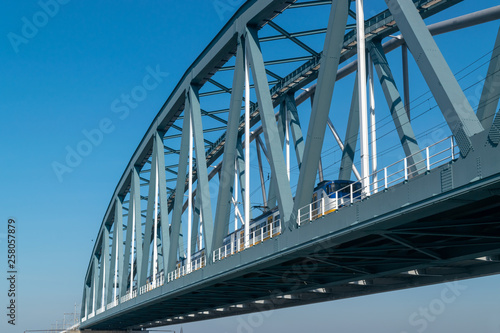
(61, 82)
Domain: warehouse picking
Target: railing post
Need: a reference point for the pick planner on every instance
(452, 149)
(427, 158)
(336, 200)
(406, 168)
(385, 177)
(310, 212)
(351, 188)
(322, 205)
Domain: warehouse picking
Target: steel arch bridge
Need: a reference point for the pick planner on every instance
(195, 230)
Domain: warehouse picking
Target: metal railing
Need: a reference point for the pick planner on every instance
(158, 282)
(256, 237)
(393, 174)
(187, 268)
(129, 296)
(113, 303)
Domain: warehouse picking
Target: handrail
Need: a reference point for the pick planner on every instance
(256, 237)
(312, 211)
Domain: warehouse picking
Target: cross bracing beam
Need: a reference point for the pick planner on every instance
(462, 22)
(223, 91)
(180, 188)
(397, 109)
(293, 34)
(321, 105)
(116, 265)
(491, 90)
(310, 3)
(221, 223)
(292, 38)
(351, 136)
(284, 193)
(208, 130)
(307, 72)
(241, 169)
(133, 234)
(453, 104)
(276, 62)
(201, 168)
(281, 118)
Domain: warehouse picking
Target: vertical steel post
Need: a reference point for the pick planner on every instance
(373, 126)
(385, 178)
(261, 174)
(363, 119)
(427, 158)
(190, 192)
(406, 79)
(155, 232)
(287, 141)
(247, 152)
(406, 168)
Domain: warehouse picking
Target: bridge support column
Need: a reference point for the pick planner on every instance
(104, 274)
(449, 96)
(364, 150)
(242, 170)
(133, 235)
(397, 109)
(491, 90)
(196, 224)
(179, 190)
(116, 264)
(295, 128)
(261, 174)
(322, 102)
(351, 136)
(272, 202)
(95, 284)
(202, 190)
(341, 146)
(271, 135)
(221, 225)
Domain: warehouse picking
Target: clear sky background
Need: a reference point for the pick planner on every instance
(61, 80)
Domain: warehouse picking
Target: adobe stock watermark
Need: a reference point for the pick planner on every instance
(225, 8)
(424, 316)
(94, 137)
(31, 26)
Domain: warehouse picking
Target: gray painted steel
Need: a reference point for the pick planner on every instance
(175, 226)
(116, 253)
(398, 219)
(322, 101)
(163, 228)
(226, 190)
(295, 128)
(397, 109)
(203, 189)
(451, 100)
(491, 90)
(142, 270)
(277, 161)
(376, 241)
(351, 136)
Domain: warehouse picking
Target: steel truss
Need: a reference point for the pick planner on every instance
(143, 254)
